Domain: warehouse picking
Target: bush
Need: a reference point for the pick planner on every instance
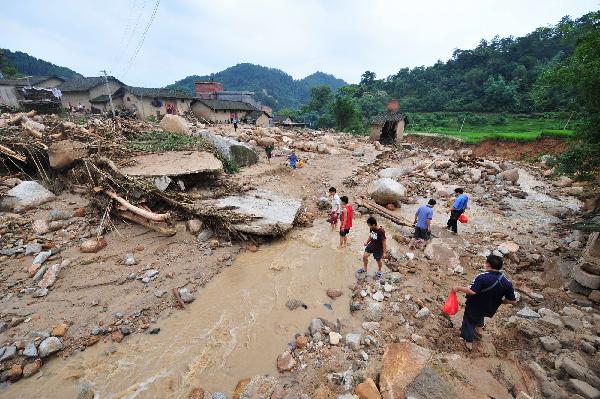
(499, 120)
(475, 120)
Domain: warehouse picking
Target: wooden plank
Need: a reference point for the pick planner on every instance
(373, 207)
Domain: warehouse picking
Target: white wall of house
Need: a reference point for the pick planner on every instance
(8, 96)
(217, 116)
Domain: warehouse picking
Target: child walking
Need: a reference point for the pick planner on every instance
(376, 245)
(345, 221)
(336, 205)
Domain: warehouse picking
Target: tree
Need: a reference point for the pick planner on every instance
(347, 114)
(499, 95)
(367, 78)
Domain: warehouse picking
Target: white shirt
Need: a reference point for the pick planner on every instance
(336, 203)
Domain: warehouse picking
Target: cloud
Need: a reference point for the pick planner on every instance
(300, 37)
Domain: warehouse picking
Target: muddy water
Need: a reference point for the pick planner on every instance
(235, 328)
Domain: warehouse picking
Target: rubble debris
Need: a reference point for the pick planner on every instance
(233, 151)
(173, 163)
(26, 195)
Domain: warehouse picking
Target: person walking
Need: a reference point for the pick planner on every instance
(488, 291)
(422, 224)
(345, 221)
(457, 209)
(336, 207)
(269, 150)
(376, 245)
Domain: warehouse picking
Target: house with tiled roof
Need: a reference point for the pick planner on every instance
(221, 111)
(82, 90)
(11, 89)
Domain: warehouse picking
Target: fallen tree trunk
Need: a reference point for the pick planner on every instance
(157, 217)
(373, 207)
(132, 217)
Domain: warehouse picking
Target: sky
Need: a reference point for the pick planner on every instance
(199, 37)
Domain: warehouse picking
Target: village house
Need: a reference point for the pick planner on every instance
(259, 118)
(145, 102)
(388, 127)
(82, 90)
(11, 89)
(221, 111)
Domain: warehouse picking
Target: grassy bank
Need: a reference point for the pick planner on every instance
(477, 127)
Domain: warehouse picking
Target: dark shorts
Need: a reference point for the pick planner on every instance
(421, 233)
(377, 253)
(344, 232)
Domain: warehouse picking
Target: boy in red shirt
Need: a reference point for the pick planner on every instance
(345, 221)
(376, 245)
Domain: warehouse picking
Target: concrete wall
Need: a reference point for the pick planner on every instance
(144, 108)
(105, 107)
(101, 89)
(218, 116)
(50, 83)
(376, 132)
(8, 96)
(76, 97)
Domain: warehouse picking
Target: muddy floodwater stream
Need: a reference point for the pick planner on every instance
(235, 328)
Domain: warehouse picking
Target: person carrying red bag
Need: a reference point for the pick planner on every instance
(457, 209)
(488, 291)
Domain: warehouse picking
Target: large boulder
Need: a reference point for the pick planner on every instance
(386, 191)
(402, 363)
(393, 173)
(511, 175)
(175, 124)
(441, 253)
(231, 150)
(63, 154)
(26, 195)
(263, 212)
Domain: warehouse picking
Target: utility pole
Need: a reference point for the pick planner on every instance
(112, 108)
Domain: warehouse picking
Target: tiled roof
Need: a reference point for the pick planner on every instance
(85, 84)
(387, 116)
(227, 105)
(163, 93)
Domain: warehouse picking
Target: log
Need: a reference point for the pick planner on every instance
(157, 217)
(8, 152)
(373, 207)
(180, 303)
(163, 230)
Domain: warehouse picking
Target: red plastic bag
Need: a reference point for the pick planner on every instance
(451, 305)
(463, 218)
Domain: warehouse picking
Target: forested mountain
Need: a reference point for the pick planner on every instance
(498, 75)
(28, 65)
(273, 87)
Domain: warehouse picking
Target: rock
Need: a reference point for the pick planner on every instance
(374, 311)
(231, 150)
(353, 341)
(359, 152)
(272, 214)
(511, 175)
(194, 226)
(50, 276)
(441, 253)
(293, 304)
(86, 391)
(41, 257)
(33, 248)
(334, 293)
(316, 325)
(30, 350)
(93, 245)
(49, 346)
(219, 395)
(594, 296)
(367, 390)
(370, 325)
(508, 247)
(27, 195)
(386, 191)
(393, 173)
(240, 387)
(63, 154)
(186, 296)
(205, 235)
(40, 293)
(15, 372)
(563, 181)
(195, 393)
(9, 353)
(422, 313)
(334, 338)
(585, 278)
(32, 368)
(117, 336)
(528, 313)
(585, 389)
(59, 330)
(175, 124)
(550, 344)
(129, 260)
(378, 296)
(40, 227)
(285, 362)
(154, 330)
(31, 124)
(301, 342)
(402, 362)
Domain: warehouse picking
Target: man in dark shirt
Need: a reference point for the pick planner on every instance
(376, 245)
(485, 295)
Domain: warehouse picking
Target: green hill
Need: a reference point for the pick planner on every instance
(28, 65)
(273, 87)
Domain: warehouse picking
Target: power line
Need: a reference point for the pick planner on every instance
(133, 32)
(128, 24)
(139, 47)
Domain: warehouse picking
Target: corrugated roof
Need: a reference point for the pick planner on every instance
(153, 92)
(85, 84)
(227, 105)
(387, 116)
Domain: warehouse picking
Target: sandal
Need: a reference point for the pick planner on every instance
(377, 275)
(361, 270)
